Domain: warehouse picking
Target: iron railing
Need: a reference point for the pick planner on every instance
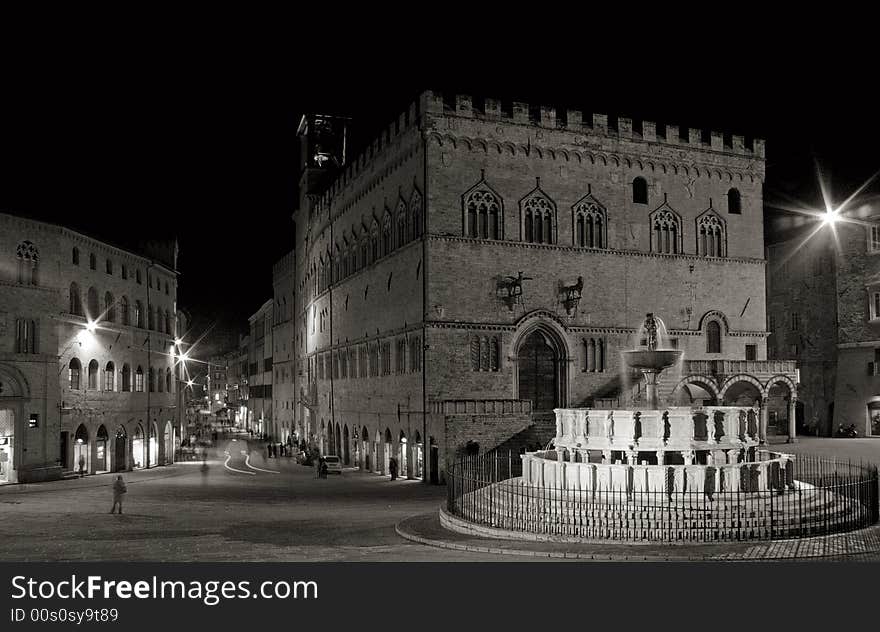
(818, 497)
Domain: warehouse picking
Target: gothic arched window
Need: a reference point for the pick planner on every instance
(28, 263)
(75, 256)
(168, 329)
(665, 231)
(539, 219)
(139, 314)
(640, 191)
(483, 212)
(416, 219)
(139, 380)
(168, 381)
(401, 224)
(710, 236)
(387, 235)
(126, 378)
(590, 225)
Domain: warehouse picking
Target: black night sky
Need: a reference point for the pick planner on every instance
(203, 146)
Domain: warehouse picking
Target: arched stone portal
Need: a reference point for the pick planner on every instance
(138, 448)
(365, 449)
(7, 446)
(541, 368)
(386, 452)
(82, 456)
(120, 450)
(404, 456)
(101, 458)
(346, 446)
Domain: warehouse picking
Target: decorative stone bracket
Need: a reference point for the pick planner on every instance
(572, 295)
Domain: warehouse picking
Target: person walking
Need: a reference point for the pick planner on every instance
(82, 465)
(119, 491)
(392, 467)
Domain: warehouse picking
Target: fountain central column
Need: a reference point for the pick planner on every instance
(651, 388)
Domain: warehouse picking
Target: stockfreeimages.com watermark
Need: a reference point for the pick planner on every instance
(209, 592)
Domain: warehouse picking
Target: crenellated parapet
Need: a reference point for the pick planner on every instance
(596, 124)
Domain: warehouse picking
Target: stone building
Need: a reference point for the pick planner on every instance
(857, 385)
(283, 366)
(481, 264)
(260, 348)
(802, 321)
(86, 334)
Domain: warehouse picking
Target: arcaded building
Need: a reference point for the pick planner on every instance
(283, 364)
(481, 264)
(86, 334)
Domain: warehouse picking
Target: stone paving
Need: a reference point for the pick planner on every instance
(863, 545)
(177, 513)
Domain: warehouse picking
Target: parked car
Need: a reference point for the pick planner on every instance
(334, 464)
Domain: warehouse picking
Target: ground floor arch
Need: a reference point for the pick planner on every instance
(82, 453)
(346, 445)
(138, 448)
(418, 457)
(387, 447)
(120, 450)
(8, 463)
(365, 449)
(695, 390)
(378, 461)
(403, 451)
(102, 447)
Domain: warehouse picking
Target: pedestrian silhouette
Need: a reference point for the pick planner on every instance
(392, 467)
(119, 491)
(82, 465)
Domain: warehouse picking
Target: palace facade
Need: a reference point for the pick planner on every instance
(481, 264)
(87, 378)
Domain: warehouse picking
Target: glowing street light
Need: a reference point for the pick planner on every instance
(91, 326)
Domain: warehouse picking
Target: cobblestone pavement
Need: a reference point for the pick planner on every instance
(283, 513)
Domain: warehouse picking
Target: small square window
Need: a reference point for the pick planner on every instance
(751, 352)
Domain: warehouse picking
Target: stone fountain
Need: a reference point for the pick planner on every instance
(653, 473)
(651, 362)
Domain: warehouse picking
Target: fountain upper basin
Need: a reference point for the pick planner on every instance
(652, 360)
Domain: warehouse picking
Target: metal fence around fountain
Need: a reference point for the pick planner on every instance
(823, 496)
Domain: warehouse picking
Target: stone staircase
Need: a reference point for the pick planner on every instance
(511, 506)
(541, 431)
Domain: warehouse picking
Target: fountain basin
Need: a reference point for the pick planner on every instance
(651, 360)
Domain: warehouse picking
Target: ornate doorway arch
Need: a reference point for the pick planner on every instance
(542, 367)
